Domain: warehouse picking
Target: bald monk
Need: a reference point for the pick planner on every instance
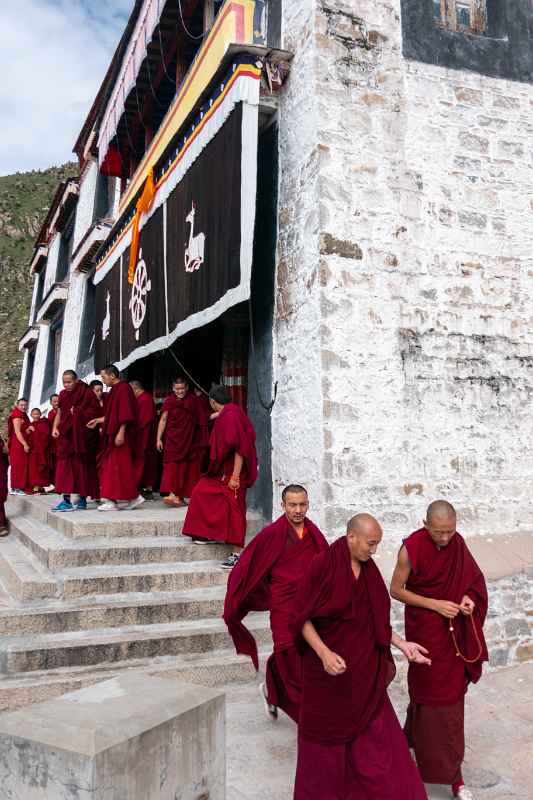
(4, 464)
(76, 446)
(443, 589)
(144, 452)
(217, 509)
(117, 475)
(54, 406)
(18, 446)
(350, 743)
(265, 578)
(39, 436)
(176, 435)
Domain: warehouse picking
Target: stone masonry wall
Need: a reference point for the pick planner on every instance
(425, 185)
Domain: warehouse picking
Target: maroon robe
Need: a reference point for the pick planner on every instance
(265, 578)
(18, 459)
(350, 744)
(39, 455)
(203, 431)
(181, 469)
(144, 450)
(215, 511)
(4, 464)
(435, 717)
(117, 475)
(77, 445)
(52, 450)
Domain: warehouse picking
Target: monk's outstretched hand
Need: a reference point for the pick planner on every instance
(332, 663)
(415, 653)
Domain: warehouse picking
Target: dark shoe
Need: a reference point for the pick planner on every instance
(271, 711)
(230, 562)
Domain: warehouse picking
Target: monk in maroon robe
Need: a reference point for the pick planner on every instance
(76, 445)
(54, 406)
(265, 578)
(176, 436)
(119, 430)
(4, 465)
(446, 603)
(144, 449)
(350, 743)
(217, 509)
(39, 437)
(18, 446)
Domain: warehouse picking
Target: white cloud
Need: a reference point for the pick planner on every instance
(53, 57)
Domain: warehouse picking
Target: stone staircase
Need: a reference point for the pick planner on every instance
(84, 595)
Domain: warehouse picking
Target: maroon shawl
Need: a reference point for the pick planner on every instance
(78, 407)
(182, 423)
(352, 617)
(120, 409)
(233, 433)
(249, 586)
(445, 574)
(39, 441)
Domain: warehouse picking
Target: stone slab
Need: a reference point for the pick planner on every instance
(134, 737)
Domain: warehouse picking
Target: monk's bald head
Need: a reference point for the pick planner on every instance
(363, 534)
(441, 522)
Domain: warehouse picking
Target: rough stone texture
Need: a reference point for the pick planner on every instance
(134, 736)
(410, 177)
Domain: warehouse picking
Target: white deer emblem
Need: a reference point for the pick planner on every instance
(194, 253)
(106, 322)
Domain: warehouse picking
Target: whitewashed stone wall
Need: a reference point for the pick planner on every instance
(86, 200)
(73, 315)
(425, 192)
(51, 263)
(296, 429)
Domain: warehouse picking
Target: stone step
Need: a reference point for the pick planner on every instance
(82, 581)
(22, 575)
(109, 611)
(111, 645)
(56, 551)
(153, 518)
(218, 668)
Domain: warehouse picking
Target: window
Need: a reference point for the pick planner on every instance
(65, 250)
(469, 16)
(103, 201)
(87, 332)
(40, 292)
(52, 357)
(28, 379)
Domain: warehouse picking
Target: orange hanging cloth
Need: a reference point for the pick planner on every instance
(144, 204)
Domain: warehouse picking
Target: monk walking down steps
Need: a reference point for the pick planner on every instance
(217, 510)
(350, 743)
(265, 578)
(446, 603)
(176, 435)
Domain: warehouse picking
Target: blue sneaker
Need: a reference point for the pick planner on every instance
(81, 505)
(63, 506)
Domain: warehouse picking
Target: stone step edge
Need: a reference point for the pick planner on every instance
(104, 601)
(128, 633)
(143, 569)
(23, 575)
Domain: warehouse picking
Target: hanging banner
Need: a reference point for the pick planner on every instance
(195, 244)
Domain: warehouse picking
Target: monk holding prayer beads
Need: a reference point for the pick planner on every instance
(446, 602)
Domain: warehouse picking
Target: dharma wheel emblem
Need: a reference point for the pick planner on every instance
(139, 291)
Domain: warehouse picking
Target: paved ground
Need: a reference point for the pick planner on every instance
(499, 758)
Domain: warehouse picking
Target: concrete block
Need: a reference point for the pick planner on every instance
(134, 737)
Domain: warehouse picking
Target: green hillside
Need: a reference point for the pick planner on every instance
(24, 200)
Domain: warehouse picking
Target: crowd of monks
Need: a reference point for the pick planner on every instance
(329, 606)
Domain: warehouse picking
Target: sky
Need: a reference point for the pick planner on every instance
(53, 57)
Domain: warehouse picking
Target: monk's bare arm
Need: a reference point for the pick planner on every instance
(332, 663)
(400, 577)
(161, 429)
(120, 438)
(235, 480)
(55, 426)
(94, 423)
(17, 426)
